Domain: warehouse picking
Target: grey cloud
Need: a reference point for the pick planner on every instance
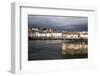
(61, 23)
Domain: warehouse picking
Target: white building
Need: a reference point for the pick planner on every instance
(84, 35)
(70, 35)
(37, 34)
(57, 35)
(35, 29)
(48, 34)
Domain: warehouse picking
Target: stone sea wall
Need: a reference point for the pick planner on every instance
(74, 48)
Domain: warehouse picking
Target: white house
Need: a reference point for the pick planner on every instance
(35, 29)
(84, 35)
(56, 35)
(70, 35)
(38, 34)
(48, 34)
(59, 35)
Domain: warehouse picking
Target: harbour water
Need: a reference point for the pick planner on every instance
(49, 50)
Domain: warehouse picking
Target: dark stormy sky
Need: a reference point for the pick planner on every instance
(60, 23)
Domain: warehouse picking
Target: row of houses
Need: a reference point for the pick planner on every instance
(35, 33)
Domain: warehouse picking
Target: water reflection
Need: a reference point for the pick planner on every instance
(55, 49)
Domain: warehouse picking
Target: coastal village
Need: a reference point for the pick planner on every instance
(76, 43)
(57, 37)
(47, 34)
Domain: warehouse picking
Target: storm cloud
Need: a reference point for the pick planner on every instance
(60, 23)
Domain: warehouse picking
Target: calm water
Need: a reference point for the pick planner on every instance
(46, 50)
